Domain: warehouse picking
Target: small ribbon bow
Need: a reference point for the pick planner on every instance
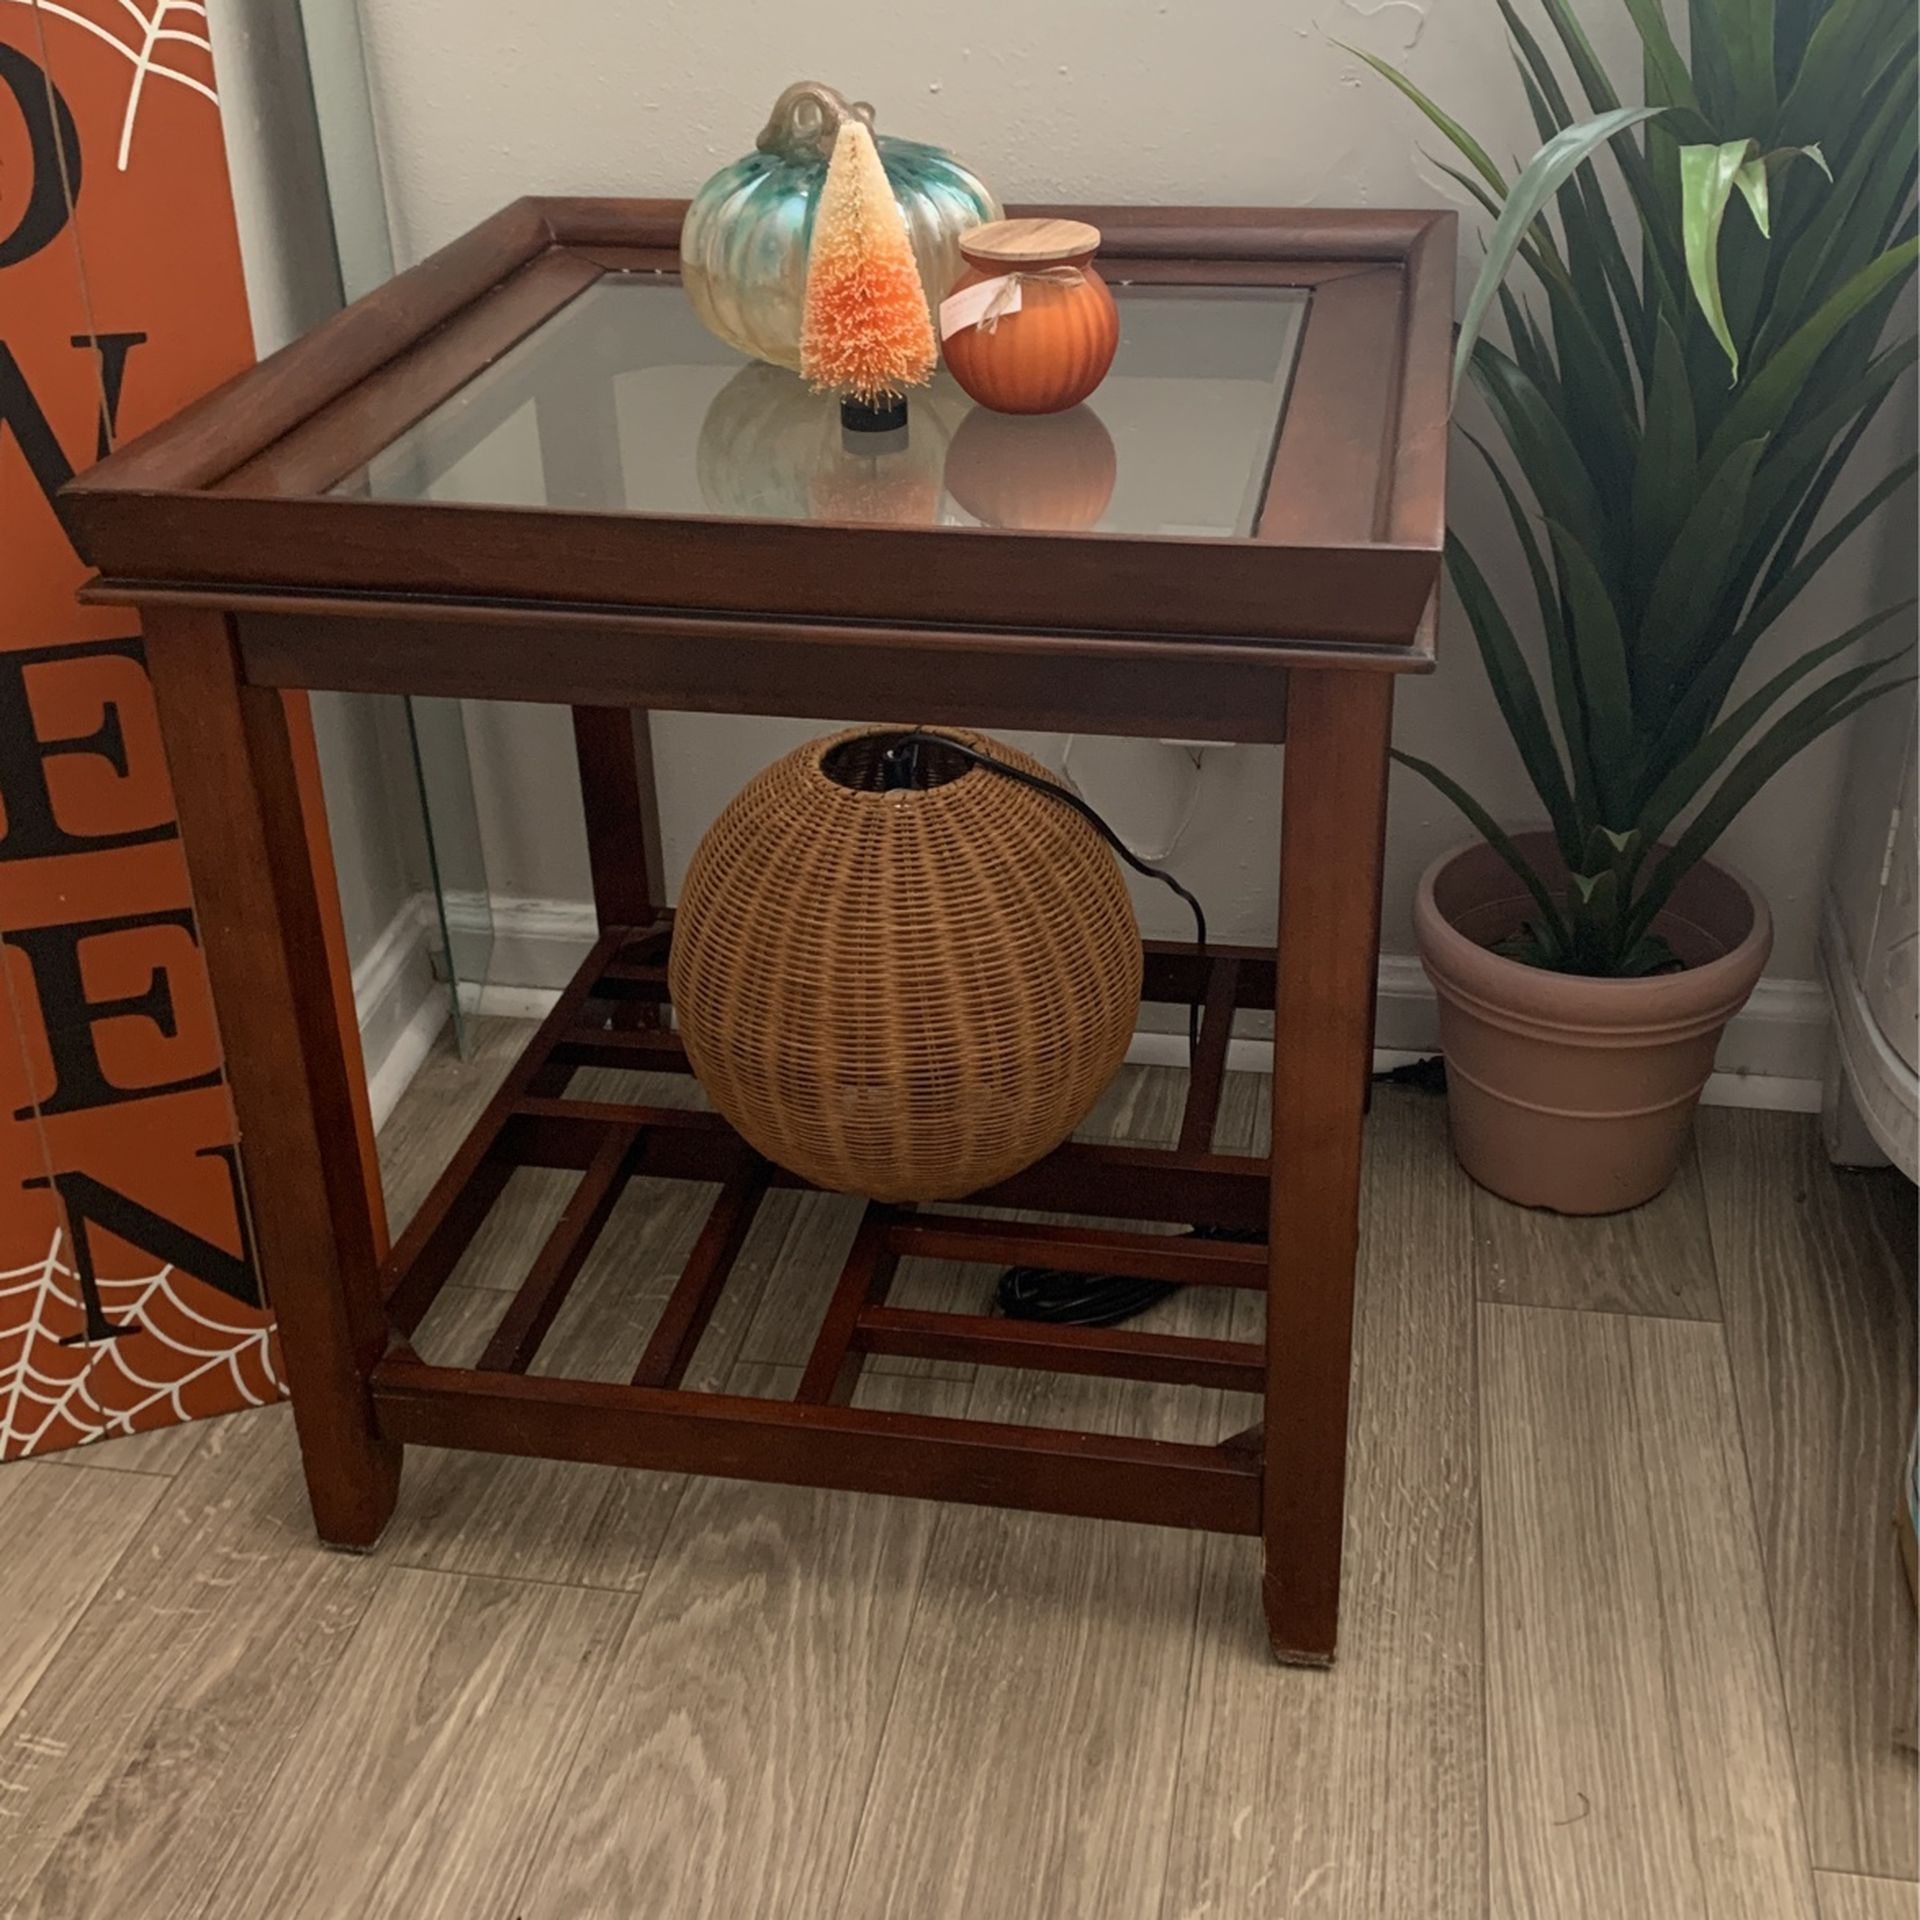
(1006, 294)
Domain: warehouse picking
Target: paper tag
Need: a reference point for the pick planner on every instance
(968, 307)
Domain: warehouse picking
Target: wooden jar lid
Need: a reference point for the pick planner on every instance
(1026, 243)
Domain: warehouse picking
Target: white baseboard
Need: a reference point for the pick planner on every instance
(401, 1006)
(1779, 1035)
(538, 943)
(494, 1002)
(398, 1003)
(1774, 1053)
(406, 1056)
(1883, 1090)
(1772, 1091)
(1782, 1093)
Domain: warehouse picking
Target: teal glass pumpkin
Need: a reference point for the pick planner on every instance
(743, 249)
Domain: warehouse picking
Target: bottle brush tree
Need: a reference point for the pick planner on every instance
(866, 333)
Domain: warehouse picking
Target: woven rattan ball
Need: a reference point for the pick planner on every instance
(908, 994)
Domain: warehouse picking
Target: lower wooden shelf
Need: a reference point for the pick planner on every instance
(612, 1014)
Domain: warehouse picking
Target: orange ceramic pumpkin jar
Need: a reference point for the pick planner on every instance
(1051, 351)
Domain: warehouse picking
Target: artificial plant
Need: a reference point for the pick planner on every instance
(1685, 381)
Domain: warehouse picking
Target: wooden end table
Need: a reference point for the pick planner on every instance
(521, 471)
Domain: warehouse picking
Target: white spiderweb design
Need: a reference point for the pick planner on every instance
(154, 44)
(181, 1364)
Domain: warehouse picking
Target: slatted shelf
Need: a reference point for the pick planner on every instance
(536, 1305)
(1182, 1258)
(697, 1292)
(1176, 1359)
(612, 1015)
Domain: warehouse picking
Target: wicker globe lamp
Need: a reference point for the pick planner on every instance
(909, 992)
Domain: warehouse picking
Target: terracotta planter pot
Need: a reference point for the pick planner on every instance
(1572, 1093)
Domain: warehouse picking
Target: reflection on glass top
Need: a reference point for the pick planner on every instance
(623, 402)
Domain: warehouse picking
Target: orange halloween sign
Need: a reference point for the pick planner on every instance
(129, 1297)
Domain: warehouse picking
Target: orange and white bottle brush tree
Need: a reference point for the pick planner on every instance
(866, 334)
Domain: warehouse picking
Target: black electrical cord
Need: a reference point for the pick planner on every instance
(1094, 1299)
(1050, 1293)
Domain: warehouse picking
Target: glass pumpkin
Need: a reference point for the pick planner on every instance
(743, 248)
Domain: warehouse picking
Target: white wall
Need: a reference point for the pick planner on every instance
(286, 242)
(1243, 101)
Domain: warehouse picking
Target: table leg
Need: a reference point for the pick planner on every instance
(1331, 839)
(615, 748)
(258, 852)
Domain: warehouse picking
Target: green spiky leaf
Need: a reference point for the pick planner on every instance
(1539, 181)
(1682, 394)
(1495, 836)
(1708, 176)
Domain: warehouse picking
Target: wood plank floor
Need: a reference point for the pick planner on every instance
(1823, 1375)
(1624, 1633)
(1367, 1796)
(1846, 1896)
(1638, 1760)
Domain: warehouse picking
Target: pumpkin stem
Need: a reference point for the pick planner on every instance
(807, 119)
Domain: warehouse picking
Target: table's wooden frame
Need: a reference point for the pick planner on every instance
(254, 582)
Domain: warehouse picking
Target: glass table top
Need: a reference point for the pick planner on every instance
(623, 402)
